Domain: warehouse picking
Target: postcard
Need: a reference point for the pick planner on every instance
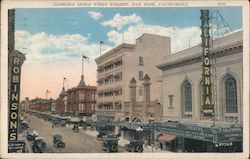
(124, 79)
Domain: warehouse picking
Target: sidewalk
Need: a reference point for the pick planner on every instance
(122, 142)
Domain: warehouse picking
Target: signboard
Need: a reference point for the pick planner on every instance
(210, 134)
(17, 61)
(208, 108)
(16, 146)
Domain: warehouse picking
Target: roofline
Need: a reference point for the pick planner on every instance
(197, 57)
(152, 35)
(234, 32)
(115, 49)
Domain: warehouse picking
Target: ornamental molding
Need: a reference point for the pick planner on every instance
(220, 52)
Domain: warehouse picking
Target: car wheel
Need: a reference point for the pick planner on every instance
(139, 149)
(114, 148)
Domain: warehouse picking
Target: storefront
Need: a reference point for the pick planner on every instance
(179, 137)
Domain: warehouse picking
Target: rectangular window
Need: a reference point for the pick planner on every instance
(140, 90)
(140, 75)
(140, 61)
(170, 97)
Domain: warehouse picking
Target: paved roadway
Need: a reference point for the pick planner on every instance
(74, 142)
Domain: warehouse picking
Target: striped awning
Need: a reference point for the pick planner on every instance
(167, 137)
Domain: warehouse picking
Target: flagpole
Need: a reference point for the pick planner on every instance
(82, 64)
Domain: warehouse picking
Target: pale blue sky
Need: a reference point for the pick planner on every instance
(54, 40)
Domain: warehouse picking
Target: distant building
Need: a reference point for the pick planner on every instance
(61, 102)
(80, 100)
(25, 104)
(116, 68)
(41, 104)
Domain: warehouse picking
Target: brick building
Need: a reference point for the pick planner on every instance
(81, 99)
(41, 104)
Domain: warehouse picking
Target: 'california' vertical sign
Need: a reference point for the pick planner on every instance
(208, 108)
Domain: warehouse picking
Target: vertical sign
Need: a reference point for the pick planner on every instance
(15, 60)
(207, 108)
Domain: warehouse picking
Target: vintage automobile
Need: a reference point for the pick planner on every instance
(38, 145)
(31, 135)
(134, 146)
(110, 143)
(101, 134)
(58, 141)
(24, 125)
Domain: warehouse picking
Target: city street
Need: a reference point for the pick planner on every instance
(74, 142)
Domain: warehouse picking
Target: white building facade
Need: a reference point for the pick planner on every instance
(182, 81)
(118, 66)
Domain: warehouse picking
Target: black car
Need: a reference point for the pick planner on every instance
(110, 143)
(134, 146)
(75, 128)
(31, 135)
(101, 134)
(38, 145)
(58, 141)
(24, 125)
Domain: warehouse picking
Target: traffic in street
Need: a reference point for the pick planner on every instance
(74, 142)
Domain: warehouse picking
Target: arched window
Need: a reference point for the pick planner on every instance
(231, 95)
(187, 96)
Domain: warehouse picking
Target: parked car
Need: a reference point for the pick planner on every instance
(75, 128)
(134, 146)
(58, 141)
(38, 145)
(24, 125)
(101, 134)
(110, 143)
(31, 135)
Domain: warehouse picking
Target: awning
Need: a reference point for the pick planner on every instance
(167, 137)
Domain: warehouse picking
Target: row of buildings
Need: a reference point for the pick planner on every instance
(145, 83)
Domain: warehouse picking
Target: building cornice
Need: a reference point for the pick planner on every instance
(216, 53)
(114, 50)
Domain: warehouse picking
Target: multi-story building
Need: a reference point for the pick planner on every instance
(25, 104)
(81, 99)
(116, 68)
(183, 92)
(40, 104)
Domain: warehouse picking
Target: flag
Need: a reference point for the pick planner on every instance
(85, 57)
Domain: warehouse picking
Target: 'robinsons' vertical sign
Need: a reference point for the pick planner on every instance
(207, 107)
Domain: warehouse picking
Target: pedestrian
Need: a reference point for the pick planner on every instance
(146, 143)
(161, 145)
